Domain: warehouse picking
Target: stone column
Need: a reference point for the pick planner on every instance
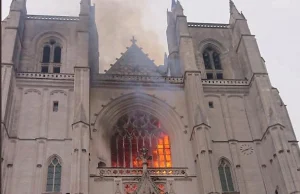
(6, 84)
(281, 148)
(80, 127)
(263, 166)
(44, 114)
(39, 178)
(80, 133)
(227, 120)
(10, 180)
(200, 131)
(237, 167)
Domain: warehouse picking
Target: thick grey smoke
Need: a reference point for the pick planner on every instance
(117, 21)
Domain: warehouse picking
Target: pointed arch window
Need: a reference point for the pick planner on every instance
(51, 57)
(57, 54)
(225, 173)
(46, 54)
(134, 131)
(54, 175)
(212, 63)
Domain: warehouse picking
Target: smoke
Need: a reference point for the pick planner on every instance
(117, 22)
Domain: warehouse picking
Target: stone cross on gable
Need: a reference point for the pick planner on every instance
(133, 40)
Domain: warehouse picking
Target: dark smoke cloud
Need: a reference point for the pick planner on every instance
(117, 21)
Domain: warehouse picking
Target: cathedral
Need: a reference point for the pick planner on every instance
(207, 121)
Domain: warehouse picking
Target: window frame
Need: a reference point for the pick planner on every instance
(210, 51)
(223, 163)
(151, 141)
(53, 44)
(47, 172)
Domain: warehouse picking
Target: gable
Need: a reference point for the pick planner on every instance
(134, 62)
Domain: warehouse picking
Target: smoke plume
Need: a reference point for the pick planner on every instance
(117, 21)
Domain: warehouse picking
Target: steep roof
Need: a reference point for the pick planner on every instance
(134, 62)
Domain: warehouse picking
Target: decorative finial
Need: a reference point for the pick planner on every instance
(173, 3)
(133, 40)
(144, 157)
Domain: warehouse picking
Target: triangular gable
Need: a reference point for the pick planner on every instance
(134, 62)
(147, 186)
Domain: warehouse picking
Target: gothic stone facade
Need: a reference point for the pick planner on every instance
(209, 116)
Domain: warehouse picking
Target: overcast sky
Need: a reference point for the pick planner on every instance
(274, 22)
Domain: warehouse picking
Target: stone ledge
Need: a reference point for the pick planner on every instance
(56, 18)
(57, 76)
(208, 25)
(136, 172)
(52, 193)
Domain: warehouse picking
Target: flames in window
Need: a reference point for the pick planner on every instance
(135, 131)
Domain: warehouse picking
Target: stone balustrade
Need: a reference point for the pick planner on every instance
(56, 76)
(207, 25)
(55, 18)
(225, 82)
(153, 172)
(138, 78)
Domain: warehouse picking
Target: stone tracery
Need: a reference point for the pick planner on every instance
(135, 130)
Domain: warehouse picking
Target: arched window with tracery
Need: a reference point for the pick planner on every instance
(54, 175)
(212, 63)
(134, 131)
(51, 57)
(225, 173)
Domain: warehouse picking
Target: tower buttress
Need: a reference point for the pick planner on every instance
(11, 49)
(180, 42)
(245, 44)
(173, 62)
(80, 126)
(263, 95)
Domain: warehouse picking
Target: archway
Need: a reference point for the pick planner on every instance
(170, 122)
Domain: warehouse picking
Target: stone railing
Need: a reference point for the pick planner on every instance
(154, 172)
(207, 25)
(56, 76)
(138, 78)
(225, 82)
(55, 18)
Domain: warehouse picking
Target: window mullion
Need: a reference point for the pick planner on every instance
(117, 153)
(130, 150)
(212, 61)
(53, 181)
(226, 177)
(150, 148)
(124, 163)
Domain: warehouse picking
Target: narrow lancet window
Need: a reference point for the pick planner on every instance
(206, 59)
(46, 54)
(226, 176)
(217, 62)
(54, 176)
(57, 55)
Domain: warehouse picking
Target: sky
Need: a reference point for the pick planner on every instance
(274, 22)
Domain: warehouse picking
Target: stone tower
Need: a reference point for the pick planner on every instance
(208, 121)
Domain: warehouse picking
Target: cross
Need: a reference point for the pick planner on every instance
(133, 40)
